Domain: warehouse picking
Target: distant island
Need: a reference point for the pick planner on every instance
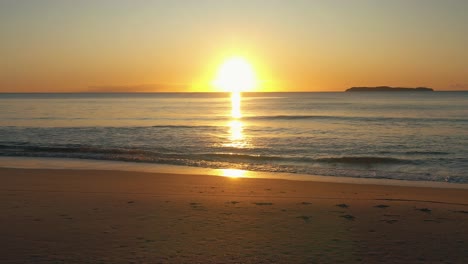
(389, 89)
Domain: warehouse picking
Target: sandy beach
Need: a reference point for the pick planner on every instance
(86, 216)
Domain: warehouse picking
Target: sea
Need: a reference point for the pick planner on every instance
(416, 136)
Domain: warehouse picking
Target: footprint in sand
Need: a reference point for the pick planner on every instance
(225, 213)
(349, 217)
(342, 205)
(305, 203)
(389, 221)
(197, 206)
(306, 218)
(425, 210)
(460, 212)
(391, 215)
(337, 212)
(382, 206)
(65, 216)
(431, 220)
(263, 203)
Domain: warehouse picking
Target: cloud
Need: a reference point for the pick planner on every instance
(141, 88)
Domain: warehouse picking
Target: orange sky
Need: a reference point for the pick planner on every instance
(171, 46)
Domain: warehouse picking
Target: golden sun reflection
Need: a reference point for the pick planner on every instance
(232, 173)
(236, 135)
(236, 105)
(235, 130)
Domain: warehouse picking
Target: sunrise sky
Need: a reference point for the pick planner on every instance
(173, 46)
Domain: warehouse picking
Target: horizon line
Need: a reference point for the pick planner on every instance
(166, 92)
(337, 91)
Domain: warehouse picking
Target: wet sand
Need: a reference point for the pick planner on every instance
(85, 216)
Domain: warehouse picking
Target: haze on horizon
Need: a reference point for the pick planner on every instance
(174, 46)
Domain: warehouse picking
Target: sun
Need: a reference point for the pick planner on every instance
(235, 75)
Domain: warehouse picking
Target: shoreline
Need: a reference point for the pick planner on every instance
(81, 176)
(104, 165)
(192, 178)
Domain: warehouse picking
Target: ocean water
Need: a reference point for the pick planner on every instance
(409, 135)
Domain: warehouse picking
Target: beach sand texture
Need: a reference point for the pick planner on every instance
(85, 216)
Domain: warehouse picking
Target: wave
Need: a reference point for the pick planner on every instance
(365, 160)
(219, 119)
(160, 153)
(357, 118)
(288, 117)
(182, 126)
(427, 153)
(240, 157)
(423, 153)
(21, 149)
(349, 166)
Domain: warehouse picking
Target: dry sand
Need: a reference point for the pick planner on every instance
(79, 216)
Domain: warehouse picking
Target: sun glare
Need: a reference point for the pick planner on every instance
(233, 173)
(235, 75)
